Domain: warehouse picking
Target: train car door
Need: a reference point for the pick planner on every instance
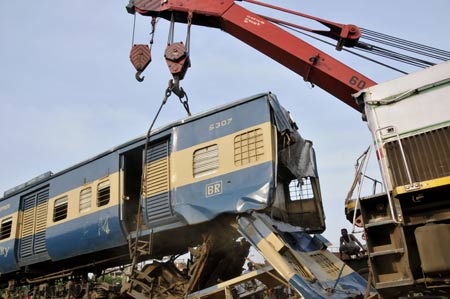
(157, 208)
(130, 177)
(34, 207)
(156, 196)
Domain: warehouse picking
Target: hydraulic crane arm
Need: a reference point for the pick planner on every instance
(309, 62)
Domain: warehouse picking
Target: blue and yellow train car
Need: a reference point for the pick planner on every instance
(241, 157)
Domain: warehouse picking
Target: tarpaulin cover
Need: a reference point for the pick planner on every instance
(298, 155)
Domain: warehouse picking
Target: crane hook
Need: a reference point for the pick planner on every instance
(140, 57)
(138, 76)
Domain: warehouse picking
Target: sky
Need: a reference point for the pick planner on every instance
(68, 92)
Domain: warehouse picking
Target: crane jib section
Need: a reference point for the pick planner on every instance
(312, 64)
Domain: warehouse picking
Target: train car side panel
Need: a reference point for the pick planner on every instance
(235, 176)
(222, 123)
(8, 235)
(203, 157)
(93, 232)
(91, 217)
(234, 192)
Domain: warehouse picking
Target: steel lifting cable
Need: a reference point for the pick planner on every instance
(188, 33)
(373, 34)
(374, 50)
(415, 50)
(171, 30)
(167, 94)
(134, 30)
(379, 51)
(403, 45)
(153, 22)
(380, 38)
(344, 49)
(394, 55)
(142, 189)
(180, 93)
(406, 46)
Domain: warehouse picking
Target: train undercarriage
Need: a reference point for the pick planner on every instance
(216, 257)
(293, 259)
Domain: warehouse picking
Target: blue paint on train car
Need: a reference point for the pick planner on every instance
(8, 207)
(75, 176)
(305, 289)
(32, 249)
(222, 123)
(84, 174)
(240, 191)
(94, 232)
(304, 242)
(348, 286)
(8, 261)
(354, 283)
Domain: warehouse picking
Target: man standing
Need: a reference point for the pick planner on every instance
(348, 244)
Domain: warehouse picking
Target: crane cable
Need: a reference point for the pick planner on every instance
(134, 250)
(386, 53)
(344, 49)
(379, 38)
(134, 254)
(406, 45)
(403, 45)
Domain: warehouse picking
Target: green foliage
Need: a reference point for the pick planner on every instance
(113, 280)
(19, 292)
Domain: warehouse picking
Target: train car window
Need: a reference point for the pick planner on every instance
(302, 190)
(103, 193)
(5, 228)
(60, 209)
(248, 147)
(85, 200)
(206, 161)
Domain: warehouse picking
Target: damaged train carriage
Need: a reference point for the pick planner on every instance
(198, 172)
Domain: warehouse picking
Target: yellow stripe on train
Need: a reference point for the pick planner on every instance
(255, 147)
(240, 150)
(14, 218)
(422, 185)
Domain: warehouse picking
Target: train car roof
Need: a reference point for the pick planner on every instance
(49, 175)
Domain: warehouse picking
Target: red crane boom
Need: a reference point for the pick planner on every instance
(257, 31)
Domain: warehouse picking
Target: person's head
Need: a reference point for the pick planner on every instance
(344, 232)
(250, 265)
